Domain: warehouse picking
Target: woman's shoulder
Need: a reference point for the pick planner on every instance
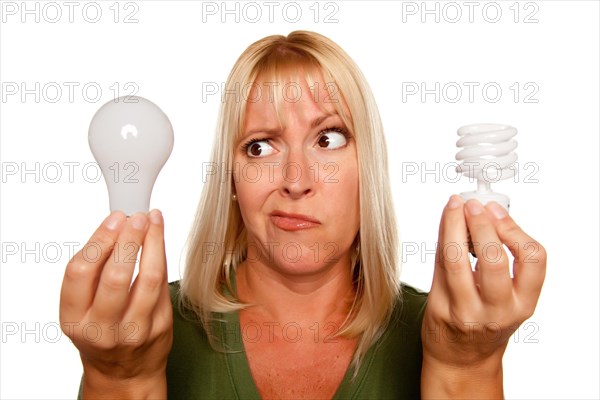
(194, 368)
(392, 367)
(174, 288)
(184, 318)
(404, 327)
(410, 304)
(412, 292)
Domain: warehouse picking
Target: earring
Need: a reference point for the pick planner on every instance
(234, 197)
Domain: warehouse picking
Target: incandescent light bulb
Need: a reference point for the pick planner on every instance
(131, 138)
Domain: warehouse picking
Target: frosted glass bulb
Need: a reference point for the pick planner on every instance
(487, 156)
(131, 138)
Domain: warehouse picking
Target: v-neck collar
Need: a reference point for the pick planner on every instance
(236, 360)
(238, 367)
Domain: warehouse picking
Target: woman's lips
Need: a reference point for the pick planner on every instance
(293, 222)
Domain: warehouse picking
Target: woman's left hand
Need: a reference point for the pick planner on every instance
(471, 315)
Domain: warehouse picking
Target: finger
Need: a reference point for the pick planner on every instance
(83, 270)
(163, 312)
(158, 321)
(452, 256)
(530, 257)
(147, 287)
(112, 295)
(495, 283)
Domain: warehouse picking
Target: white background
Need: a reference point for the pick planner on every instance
(175, 50)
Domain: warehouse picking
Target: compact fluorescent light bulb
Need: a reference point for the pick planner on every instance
(131, 138)
(487, 156)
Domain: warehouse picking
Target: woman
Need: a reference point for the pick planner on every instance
(291, 286)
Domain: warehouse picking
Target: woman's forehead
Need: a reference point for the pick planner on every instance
(273, 98)
(290, 93)
(289, 84)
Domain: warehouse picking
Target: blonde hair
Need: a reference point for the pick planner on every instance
(217, 242)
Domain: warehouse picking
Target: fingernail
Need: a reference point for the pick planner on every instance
(454, 202)
(156, 217)
(113, 220)
(138, 221)
(497, 210)
(474, 207)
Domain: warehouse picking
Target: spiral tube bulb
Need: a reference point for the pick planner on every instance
(487, 155)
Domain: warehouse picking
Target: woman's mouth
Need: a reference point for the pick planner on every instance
(293, 222)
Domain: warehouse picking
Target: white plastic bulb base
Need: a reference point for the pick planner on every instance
(131, 138)
(485, 198)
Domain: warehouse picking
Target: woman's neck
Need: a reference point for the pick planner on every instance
(319, 297)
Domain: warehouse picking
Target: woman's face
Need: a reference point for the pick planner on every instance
(297, 182)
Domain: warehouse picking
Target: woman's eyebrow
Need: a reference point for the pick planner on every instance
(277, 131)
(318, 121)
(268, 131)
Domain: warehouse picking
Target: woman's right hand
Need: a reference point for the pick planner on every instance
(123, 332)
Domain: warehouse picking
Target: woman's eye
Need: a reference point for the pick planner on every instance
(332, 140)
(259, 148)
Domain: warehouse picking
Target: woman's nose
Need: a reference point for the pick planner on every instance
(297, 179)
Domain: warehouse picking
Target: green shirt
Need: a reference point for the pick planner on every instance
(391, 369)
